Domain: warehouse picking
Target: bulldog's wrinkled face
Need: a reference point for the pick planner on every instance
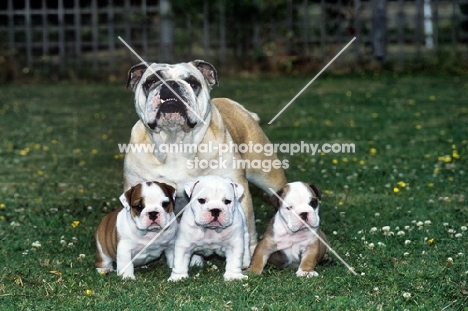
(299, 207)
(214, 200)
(172, 97)
(151, 205)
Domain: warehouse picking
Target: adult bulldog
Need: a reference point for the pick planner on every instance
(174, 106)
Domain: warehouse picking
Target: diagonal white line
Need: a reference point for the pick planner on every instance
(161, 232)
(313, 231)
(316, 76)
(161, 79)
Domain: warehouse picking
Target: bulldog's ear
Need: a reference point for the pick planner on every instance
(275, 199)
(168, 190)
(238, 190)
(208, 71)
(317, 191)
(126, 197)
(135, 73)
(188, 187)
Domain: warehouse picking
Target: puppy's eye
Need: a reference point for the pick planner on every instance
(227, 202)
(165, 204)
(138, 207)
(314, 203)
(201, 201)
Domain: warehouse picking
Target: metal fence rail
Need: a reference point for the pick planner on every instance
(71, 33)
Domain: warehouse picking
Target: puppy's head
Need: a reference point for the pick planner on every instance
(151, 205)
(297, 204)
(172, 97)
(213, 200)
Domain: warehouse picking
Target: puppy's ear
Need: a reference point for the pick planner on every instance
(188, 187)
(275, 199)
(238, 190)
(126, 198)
(135, 73)
(168, 190)
(208, 71)
(317, 190)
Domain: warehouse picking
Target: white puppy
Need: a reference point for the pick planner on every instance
(214, 222)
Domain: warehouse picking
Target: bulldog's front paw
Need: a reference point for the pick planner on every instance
(197, 261)
(306, 274)
(234, 276)
(177, 277)
(127, 276)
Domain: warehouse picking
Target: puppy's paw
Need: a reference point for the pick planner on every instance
(177, 277)
(234, 276)
(197, 261)
(306, 274)
(127, 276)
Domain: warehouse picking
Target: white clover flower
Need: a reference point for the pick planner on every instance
(445, 224)
(63, 242)
(377, 214)
(406, 295)
(401, 233)
(407, 242)
(427, 222)
(463, 228)
(419, 224)
(458, 235)
(335, 233)
(380, 244)
(405, 254)
(371, 245)
(373, 230)
(386, 228)
(36, 244)
(407, 227)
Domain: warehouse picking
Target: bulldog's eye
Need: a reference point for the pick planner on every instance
(138, 207)
(313, 203)
(201, 201)
(194, 84)
(165, 204)
(227, 202)
(149, 83)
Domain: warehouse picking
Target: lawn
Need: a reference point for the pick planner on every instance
(396, 209)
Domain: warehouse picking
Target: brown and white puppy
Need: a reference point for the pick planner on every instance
(191, 119)
(290, 240)
(147, 209)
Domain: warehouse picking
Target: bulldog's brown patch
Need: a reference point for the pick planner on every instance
(135, 199)
(275, 198)
(169, 192)
(106, 235)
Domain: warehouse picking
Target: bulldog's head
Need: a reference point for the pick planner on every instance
(213, 208)
(299, 204)
(150, 204)
(172, 97)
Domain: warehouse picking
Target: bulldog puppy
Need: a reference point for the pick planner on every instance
(147, 209)
(290, 240)
(174, 107)
(214, 222)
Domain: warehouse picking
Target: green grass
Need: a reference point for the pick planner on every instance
(60, 163)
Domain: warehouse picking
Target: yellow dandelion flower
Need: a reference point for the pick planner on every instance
(89, 292)
(402, 184)
(450, 179)
(411, 101)
(82, 163)
(40, 173)
(45, 148)
(345, 160)
(396, 190)
(24, 151)
(373, 151)
(335, 161)
(37, 146)
(349, 93)
(432, 97)
(2, 217)
(54, 141)
(49, 129)
(94, 152)
(75, 223)
(427, 155)
(2, 205)
(352, 123)
(340, 203)
(362, 162)
(375, 115)
(430, 241)
(327, 122)
(104, 136)
(81, 190)
(418, 126)
(430, 185)
(442, 133)
(455, 155)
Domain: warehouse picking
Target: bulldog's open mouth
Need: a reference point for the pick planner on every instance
(172, 110)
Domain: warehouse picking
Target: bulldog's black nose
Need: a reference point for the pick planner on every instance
(303, 216)
(215, 212)
(153, 215)
(168, 89)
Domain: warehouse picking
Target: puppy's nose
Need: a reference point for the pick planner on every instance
(153, 215)
(215, 212)
(304, 216)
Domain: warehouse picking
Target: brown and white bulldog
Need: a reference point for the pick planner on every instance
(148, 208)
(290, 240)
(174, 106)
